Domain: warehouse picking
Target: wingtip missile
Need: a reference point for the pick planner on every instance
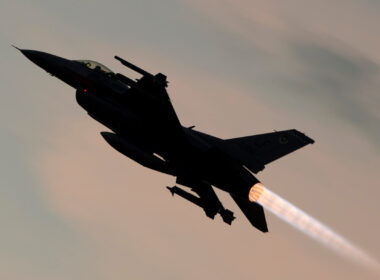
(158, 78)
(133, 67)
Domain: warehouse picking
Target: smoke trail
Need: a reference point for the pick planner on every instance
(308, 225)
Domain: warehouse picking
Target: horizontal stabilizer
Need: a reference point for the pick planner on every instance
(258, 150)
(253, 211)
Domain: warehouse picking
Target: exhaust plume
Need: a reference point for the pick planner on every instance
(308, 225)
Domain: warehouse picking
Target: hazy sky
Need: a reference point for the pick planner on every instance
(73, 208)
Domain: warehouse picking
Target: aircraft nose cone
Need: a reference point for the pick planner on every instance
(34, 56)
(62, 68)
(49, 62)
(44, 60)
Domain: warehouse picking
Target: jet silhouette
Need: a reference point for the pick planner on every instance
(145, 128)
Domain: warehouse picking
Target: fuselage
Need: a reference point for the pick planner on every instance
(137, 114)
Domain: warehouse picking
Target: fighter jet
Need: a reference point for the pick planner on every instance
(145, 128)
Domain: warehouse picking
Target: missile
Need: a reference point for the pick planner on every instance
(133, 67)
(158, 78)
(135, 153)
(210, 209)
(188, 196)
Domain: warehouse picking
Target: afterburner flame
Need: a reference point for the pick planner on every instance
(255, 192)
(308, 225)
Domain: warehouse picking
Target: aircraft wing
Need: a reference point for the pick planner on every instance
(258, 150)
(253, 211)
(153, 86)
(160, 113)
(158, 108)
(161, 109)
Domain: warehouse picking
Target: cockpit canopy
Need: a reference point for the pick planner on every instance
(95, 65)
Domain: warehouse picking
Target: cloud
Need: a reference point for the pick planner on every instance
(302, 68)
(134, 223)
(345, 83)
(242, 68)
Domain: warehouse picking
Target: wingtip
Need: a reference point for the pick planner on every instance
(302, 136)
